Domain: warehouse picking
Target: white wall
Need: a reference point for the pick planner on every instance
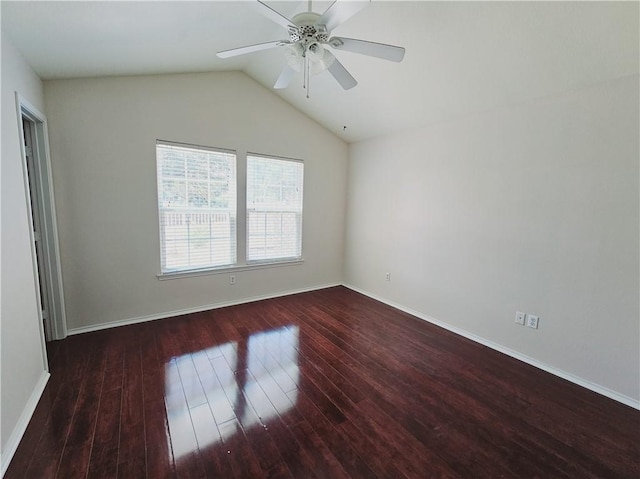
(531, 208)
(102, 135)
(22, 369)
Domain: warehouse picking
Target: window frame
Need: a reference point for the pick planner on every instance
(170, 272)
(283, 259)
(241, 233)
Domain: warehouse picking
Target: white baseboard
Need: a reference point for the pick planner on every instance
(197, 309)
(509, 352)
(23, 422)
(495, 346)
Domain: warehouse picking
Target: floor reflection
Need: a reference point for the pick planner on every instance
(237, 384)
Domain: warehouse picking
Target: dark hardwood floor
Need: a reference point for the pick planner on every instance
(327, 384)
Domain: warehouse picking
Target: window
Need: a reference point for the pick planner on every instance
(274, 209)
(196, 206)
(198, 190)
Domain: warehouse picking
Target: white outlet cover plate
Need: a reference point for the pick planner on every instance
(520, 317)
(532, 321)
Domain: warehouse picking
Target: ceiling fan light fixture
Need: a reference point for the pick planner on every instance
(295, 56)
(315, 52)
(320, 60)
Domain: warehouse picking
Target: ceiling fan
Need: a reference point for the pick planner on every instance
(307, 48)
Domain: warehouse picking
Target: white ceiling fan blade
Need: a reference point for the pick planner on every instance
(274, 16)
(234, 52)
(379, 50)
(341, 74)
(285, 78)
(339, 12)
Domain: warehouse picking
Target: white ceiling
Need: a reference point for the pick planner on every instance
(461, 57)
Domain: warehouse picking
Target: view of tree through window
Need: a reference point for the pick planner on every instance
(197, 206)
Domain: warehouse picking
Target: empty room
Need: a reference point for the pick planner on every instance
(315, 239)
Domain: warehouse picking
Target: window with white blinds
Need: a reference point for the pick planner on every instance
(274, 208)
(197, 207)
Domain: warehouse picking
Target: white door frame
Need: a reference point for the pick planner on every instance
(56, 322)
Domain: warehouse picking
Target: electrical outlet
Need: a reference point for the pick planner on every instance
(520, 317)
(232, 279)
(387, 276)
(532, 321)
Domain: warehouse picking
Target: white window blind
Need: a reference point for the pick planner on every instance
(274, 208)
(197, 207)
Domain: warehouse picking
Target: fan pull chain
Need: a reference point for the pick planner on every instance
(304, 70)
(308, 78)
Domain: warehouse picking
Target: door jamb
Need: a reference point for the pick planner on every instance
(56, 321)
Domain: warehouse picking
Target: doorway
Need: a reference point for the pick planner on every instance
(39, 185)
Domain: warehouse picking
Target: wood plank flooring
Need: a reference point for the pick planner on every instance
(327, 384)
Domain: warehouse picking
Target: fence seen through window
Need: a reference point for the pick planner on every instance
(197, 207)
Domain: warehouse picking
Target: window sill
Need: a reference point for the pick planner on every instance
(227, 269)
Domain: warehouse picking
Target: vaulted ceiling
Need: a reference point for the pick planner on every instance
(461, 57)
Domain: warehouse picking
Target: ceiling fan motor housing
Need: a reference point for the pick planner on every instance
(307, 29)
